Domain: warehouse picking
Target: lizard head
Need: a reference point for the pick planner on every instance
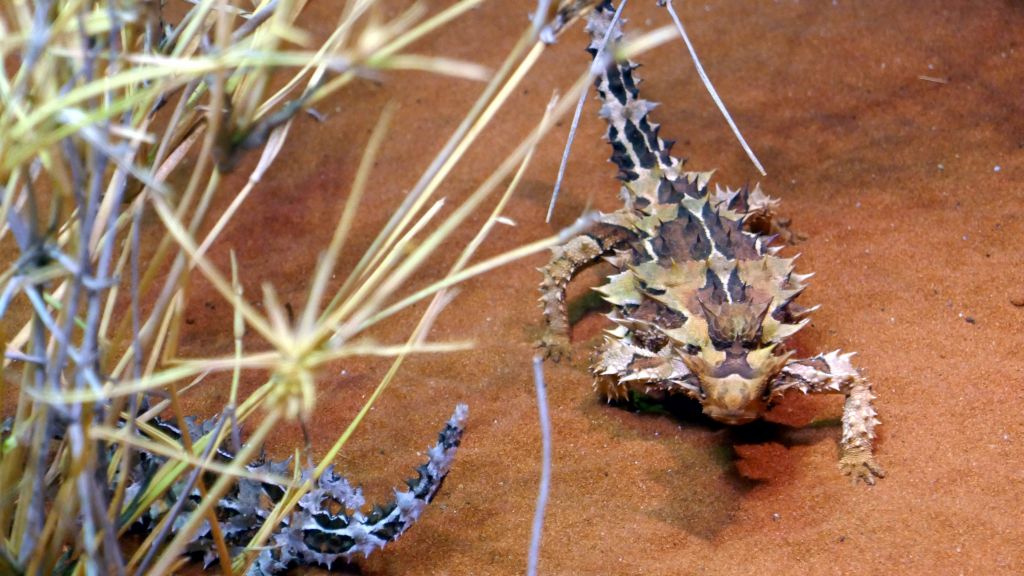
(735, 385)
(734, 368)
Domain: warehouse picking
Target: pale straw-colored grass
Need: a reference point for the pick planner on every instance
(102, 104)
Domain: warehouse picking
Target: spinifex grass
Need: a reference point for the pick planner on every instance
(100, 104)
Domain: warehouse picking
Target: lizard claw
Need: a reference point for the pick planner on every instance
(554, 346)
(860, 464)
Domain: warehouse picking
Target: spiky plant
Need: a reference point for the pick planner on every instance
(101, 104)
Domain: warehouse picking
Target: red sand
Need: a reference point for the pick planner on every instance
(910, 192)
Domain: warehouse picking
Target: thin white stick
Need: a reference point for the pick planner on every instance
(579, 110)
(711, 89)
(541, 15)
(545, 470)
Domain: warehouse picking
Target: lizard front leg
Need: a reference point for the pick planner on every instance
(621, 366)
(566, 261)
(833, 373)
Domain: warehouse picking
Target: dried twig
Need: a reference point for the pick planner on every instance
(711, 89)
(545, 470)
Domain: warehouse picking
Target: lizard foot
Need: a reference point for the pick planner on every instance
(860, 464)
(554, 346)
(769, 224)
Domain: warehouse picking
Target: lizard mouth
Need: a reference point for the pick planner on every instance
(730, 417)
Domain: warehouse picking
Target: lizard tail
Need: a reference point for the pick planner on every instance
(637, 149)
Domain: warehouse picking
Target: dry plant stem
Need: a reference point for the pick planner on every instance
(274, 145)
(579, 111)
(327, 262)
(238, 329)
(399, 275)
(252, 87)
(53, 532)
(267, 157)
(107, 215)
(170, 284)
(646, 42)
(166, 162)
(366, 316)
(169, 448)
(255, 20)
(541, 15)
(151, 379)
(711, 89)
(376, 58)
(432, 177)
(83, 481)
(187, 244)
(7, 203)
(349, 16)
(127, 454)
(152, 545)
(271, 360)
(430, 186)
(431, 24)
(390, 260)
(29, 519)
(481, 268)
(146, 332)
(220, 487)
(394, 255)
(485, 230)
(211, 516)
(118, 272)
(545, 470)
(91, 515)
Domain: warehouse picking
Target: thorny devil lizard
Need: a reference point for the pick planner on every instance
(327, 527)
(701, 303)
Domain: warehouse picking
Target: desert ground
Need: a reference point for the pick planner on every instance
(892, 132)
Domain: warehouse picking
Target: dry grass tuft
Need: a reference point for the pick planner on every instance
(100, 104)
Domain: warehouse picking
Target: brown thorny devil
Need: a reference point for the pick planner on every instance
(702, 304)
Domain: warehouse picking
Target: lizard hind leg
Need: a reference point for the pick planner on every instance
(566, 261)
(760, 213)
